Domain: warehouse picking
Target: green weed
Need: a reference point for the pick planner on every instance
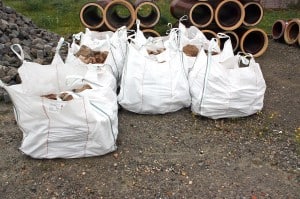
(34, 5)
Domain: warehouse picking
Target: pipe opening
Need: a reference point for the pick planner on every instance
(253, 14)
(201, 15)
(254, 42)
(148, 14)
(150, 33)
(92, 16)
(209, 34)
(118, 14)
(293, 32)
(278, 29)
(229, 14)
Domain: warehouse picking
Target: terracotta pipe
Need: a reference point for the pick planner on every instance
(247, 1)
(278, 29)
(254, 13)
(147, 12)
(91, 14)
(118, 13)
(254, 41)
(150, 33)
(229, 14)
(209, 34)
(292, 30)
(200, 13)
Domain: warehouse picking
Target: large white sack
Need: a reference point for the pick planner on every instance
(154, 84)
(40, 79)
(85, 126)
(115, 43)
(220, 88)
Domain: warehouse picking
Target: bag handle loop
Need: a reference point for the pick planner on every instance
(2, 85)
(223, 35)
(244, 59)
(240, 53)
(183, 18)
(59, 44)
(19, 55)
(213, 46)
(170, 26)
(77, 36)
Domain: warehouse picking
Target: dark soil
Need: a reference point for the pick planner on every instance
(177, 155)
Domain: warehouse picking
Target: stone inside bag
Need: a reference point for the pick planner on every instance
(67, 96)
(88, 56)
(190, 50)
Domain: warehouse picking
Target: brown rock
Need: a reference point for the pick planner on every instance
(84, 87)
(191, 50)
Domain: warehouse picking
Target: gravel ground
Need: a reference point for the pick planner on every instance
(177, 155)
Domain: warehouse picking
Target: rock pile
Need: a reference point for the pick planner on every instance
(38, 44)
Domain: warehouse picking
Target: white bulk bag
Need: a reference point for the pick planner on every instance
(115, 43)
(154, 84)
(40, 79)
(85, 126)
(100, 74)
(221, 88)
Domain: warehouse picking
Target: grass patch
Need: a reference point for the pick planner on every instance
(270, 16)
(62, 16)
(59, 16)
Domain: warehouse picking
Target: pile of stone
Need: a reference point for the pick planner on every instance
(38, 44)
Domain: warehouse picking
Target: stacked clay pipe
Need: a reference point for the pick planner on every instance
(236, 18)
(112, 14)
(287, 31)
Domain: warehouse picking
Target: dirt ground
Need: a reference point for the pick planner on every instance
(177, 155)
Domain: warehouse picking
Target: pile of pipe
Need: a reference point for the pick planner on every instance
(236, 18)
(287, 31)
(106, 15)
